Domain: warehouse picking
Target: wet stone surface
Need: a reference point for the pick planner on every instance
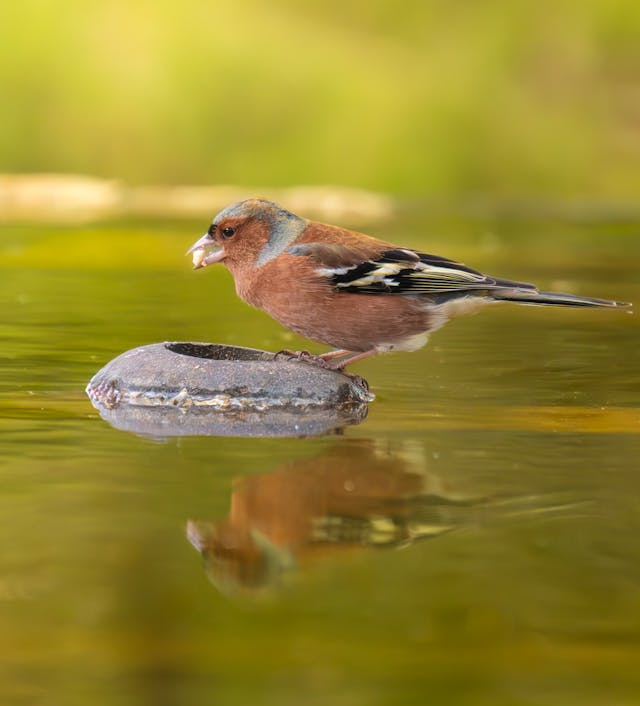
(183, 388)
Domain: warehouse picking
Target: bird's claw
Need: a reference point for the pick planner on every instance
(357, 380)
(285, 351)
(305, 357)
(320, 362)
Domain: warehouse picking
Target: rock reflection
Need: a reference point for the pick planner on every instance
(353, 497)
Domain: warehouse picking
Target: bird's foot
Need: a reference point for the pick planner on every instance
(357, 380)
(306, 357)
(339, 367)
(324, 361)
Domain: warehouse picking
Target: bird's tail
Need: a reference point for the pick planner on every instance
(536, 298)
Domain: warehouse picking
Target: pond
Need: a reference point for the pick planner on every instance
(474, 540)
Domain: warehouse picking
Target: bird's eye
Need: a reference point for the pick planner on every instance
(211, 231)
(228, 232)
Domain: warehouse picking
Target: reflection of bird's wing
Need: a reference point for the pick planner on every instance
(396, 271)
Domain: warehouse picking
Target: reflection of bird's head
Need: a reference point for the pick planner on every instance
(235, 560)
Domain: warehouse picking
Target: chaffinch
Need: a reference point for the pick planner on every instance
(358, 294)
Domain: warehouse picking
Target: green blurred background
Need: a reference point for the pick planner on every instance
(441, 97)
(103, 602)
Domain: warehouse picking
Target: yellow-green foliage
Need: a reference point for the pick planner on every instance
(496, 97)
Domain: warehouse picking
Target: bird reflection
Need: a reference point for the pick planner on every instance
(352, 497)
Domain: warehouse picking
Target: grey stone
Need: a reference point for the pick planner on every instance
(179, 388)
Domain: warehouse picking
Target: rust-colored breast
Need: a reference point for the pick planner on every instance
(293, 293)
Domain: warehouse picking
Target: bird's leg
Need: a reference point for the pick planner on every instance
(334, 354)
(340, 364)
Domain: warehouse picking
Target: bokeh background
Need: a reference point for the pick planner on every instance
(501, 133)
(532, 99)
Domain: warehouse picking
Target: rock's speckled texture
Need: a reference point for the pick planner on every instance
(167, 389)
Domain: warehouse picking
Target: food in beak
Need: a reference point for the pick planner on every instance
(202, 258)
(204, 253)
(199, 256)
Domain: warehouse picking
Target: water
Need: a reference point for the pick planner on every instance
(474, 541)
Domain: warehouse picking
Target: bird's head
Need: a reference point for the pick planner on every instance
(247, 234)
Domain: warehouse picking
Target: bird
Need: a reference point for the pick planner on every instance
(357, 294)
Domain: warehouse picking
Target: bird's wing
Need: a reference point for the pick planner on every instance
(396, 271)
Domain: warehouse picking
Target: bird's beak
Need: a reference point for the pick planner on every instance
(204, 252)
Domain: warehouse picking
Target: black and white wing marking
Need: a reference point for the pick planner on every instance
(397, 271)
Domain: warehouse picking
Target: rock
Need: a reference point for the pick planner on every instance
(179, 388)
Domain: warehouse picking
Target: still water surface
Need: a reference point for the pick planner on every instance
(476, 540)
